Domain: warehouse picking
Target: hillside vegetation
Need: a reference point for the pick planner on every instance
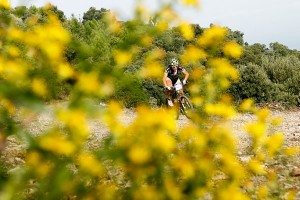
(45, 57)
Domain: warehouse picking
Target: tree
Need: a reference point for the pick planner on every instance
(279, 49)
(93, 13)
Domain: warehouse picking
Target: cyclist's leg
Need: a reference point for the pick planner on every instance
(168, 93)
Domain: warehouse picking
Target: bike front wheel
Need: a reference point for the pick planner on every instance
(186, 106)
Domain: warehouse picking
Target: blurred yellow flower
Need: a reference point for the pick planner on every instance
(220, 109)
(14, 71)
(193, 55)
(15, 33)
(4, 4)
(41, 167)
(122, 57)
(212, 36)
(39, 87)
(162, 26)
(13, 51)
(292, 151)
(233, 49)
(164, 142)
(277, 121)
(263, 192)
(56, 143)
(256, 167)
(139, 155)
(274, 143)
(247, 105)
(147, 40)
(187, 31)
(76, 121)
(223, 68)
(190, 2)
(90, 164)
(152, 70)
(8, 105)
(256, 129)
(263, 114)
(89, 83)
(184, 166)
(65, 71)
(113, 24)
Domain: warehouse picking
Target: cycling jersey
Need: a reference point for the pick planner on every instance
(173, 74)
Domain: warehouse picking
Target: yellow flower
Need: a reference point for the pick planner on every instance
(292, 151)
(247, 105)
(223, 68)
(14, 71)
(263, 192)
(155, 55)
(220, 109)
(256, 129)
(152, 70)
(192, 55)
(4, 4)
(88, 83)
(147, 40)
(212, 36)
(65, 71)
(90, 164)
(76, 121)
(139, 155)
(122, 57)
(263, 114)
(256, 167)
(34, 160)
(162, 26)
(53, 50)
(13, 51)
(15, 33)
(184, 166)
(39, 87)
(190, 2)
(114, 25)
(164, 142)
(187, 31)
(8, 105)
(277, 121)
(274, 143)
(232, 49)
(57, 144)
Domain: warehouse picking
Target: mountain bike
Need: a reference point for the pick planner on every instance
(181, 100)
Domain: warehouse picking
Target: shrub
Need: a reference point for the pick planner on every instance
(254, 83)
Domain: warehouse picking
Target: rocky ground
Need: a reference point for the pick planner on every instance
(289, 169)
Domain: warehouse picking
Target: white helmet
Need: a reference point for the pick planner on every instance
(174, 62)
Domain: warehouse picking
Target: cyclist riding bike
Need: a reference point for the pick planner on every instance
(172, 78)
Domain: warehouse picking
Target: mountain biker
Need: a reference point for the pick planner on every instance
(172, 77)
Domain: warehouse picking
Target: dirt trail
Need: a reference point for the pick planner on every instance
(290, 126)
(37, 124)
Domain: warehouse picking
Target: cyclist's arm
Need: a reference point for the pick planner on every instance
(186, 75)
(165, 79)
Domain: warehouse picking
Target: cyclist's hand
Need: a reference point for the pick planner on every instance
(168, 88)
(184, 82)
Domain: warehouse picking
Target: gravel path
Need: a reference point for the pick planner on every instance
(13, 154)
(290, 126)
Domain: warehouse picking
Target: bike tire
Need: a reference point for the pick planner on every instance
(186, 107)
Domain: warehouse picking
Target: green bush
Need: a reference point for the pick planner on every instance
(254, 83)
(129, 90)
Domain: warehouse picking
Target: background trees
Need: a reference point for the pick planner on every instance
(278, 63)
